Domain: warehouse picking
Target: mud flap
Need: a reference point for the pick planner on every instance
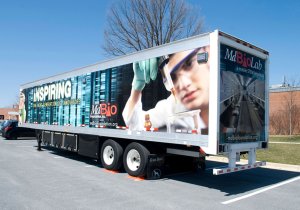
(155, 168)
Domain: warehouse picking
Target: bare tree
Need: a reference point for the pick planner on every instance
(277, 123)
(134, 25)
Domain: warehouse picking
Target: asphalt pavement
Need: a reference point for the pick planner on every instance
(269, 165)
(55, 179)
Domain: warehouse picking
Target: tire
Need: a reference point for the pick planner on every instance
(111, 155)
(135, 159)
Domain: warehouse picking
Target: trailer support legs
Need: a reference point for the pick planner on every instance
(232, 159)
(39, 147)
(251, 156)
(39, 141)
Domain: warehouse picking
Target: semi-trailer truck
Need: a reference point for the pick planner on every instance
(203, 95)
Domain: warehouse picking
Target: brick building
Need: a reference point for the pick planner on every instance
(9, 113)
(284, 110)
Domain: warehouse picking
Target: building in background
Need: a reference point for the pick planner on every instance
(9, 113)
(284, 109)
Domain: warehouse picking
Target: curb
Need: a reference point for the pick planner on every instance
(277, 166)
(279, 142)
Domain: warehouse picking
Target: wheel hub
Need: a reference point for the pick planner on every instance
(108, 155)
(133, 160)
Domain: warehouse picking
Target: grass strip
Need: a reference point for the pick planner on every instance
(285, 139)
(280, 153)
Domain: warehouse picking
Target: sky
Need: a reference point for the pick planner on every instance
(42, 38)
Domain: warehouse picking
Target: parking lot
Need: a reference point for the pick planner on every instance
(54, 179)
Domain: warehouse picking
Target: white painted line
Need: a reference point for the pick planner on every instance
(57, 157)
(262, 190)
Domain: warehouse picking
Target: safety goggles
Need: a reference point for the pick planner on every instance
(168, 74)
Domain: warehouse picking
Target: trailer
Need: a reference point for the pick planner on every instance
(204, 95)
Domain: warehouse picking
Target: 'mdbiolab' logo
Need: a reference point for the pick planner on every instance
(103, 110)
(243, 59)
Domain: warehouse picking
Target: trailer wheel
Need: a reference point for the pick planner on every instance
(136, 159)
(111, 155)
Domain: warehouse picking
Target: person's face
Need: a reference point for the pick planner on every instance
(191, 80)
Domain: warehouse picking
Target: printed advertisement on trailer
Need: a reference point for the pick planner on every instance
(166, 94)
(242, 96)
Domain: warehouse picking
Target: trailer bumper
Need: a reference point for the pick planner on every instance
(219, 171)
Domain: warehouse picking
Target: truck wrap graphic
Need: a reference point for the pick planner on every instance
(242, 96)
(172, 91)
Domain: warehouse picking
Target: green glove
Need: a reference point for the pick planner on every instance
(144, 71)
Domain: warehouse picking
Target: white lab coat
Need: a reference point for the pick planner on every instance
(166, 111)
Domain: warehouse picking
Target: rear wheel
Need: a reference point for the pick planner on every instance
(111, 155)
(136, 159)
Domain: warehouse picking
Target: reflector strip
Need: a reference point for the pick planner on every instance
(148, 129)
(186, 131)
(122, 127)
(101, 126)
(217, 171)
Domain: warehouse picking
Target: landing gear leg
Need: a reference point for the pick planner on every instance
(39, 147)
